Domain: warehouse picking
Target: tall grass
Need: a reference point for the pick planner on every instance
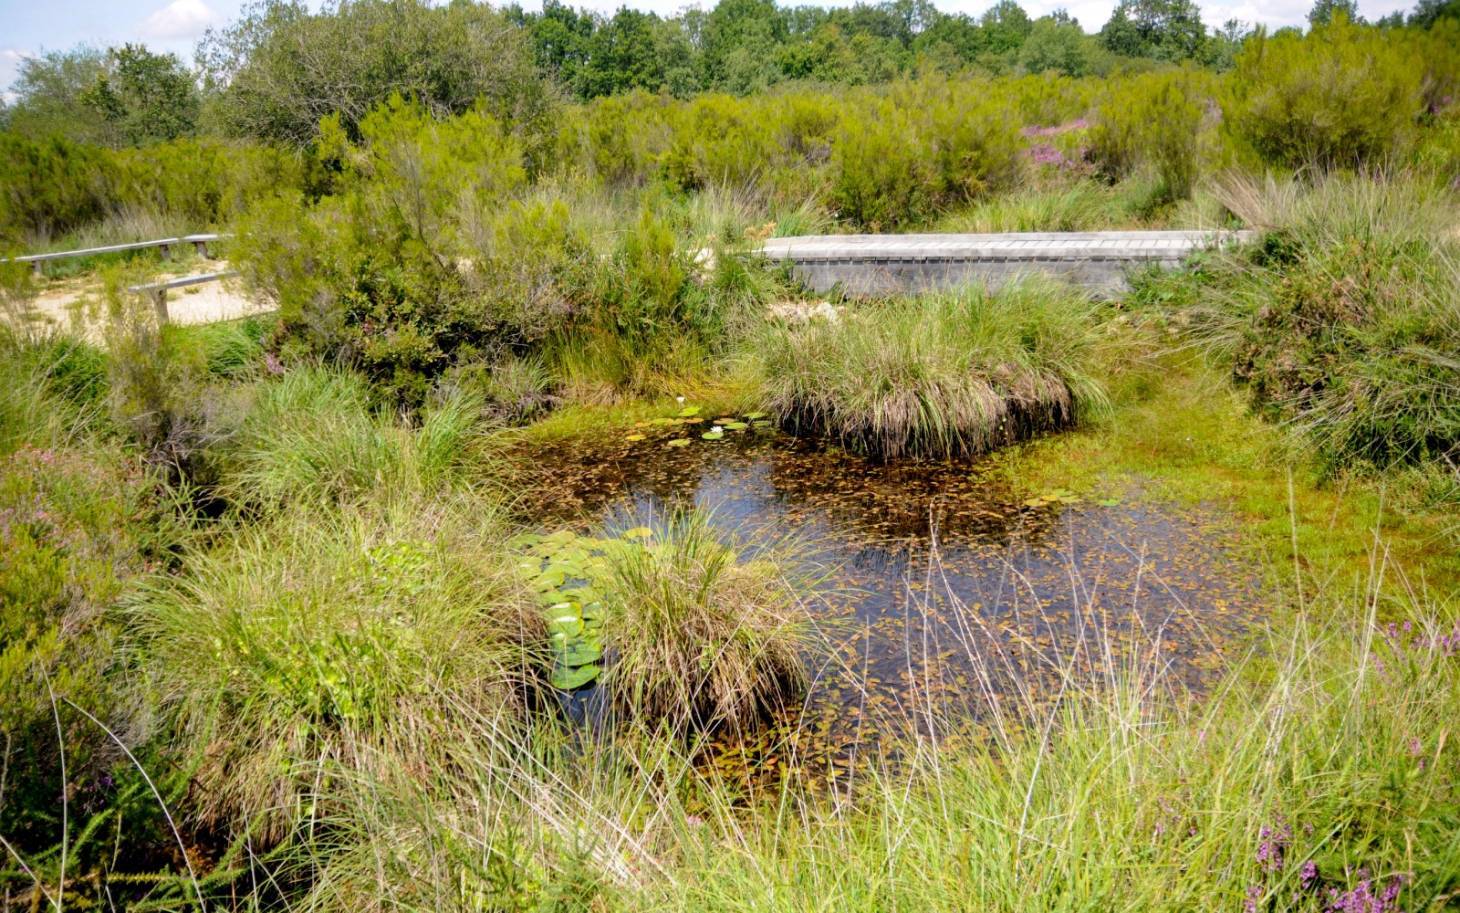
(322, 645)
(1331, 786)
(698, 635)
(313, 435)
(943, 375)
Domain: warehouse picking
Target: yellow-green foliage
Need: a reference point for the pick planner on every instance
(1153, 119)
(1340, 95)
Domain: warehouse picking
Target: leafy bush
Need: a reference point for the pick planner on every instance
(944, 375)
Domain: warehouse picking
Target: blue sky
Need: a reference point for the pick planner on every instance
(31, 26)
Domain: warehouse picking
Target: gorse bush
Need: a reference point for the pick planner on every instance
(1340, 96)
(945, 375)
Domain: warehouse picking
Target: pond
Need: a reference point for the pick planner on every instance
(952, 600)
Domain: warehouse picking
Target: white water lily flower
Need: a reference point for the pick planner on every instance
(679, 399)
(716, 428)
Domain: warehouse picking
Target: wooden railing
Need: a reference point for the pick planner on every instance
(164, 246)
(157, 291)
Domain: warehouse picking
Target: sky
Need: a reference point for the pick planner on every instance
(28, 27)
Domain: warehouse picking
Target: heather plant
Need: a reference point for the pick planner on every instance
(78, 526)
(1342, 321)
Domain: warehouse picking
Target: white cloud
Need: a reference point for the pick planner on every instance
(180, 20)
(10, 59)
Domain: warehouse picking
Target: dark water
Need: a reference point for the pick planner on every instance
(950, 598)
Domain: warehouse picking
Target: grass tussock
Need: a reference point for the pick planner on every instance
(699, 634)
(321, 646)
(945, 375)
(313, 435)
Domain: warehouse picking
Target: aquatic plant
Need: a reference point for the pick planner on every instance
(943, 375)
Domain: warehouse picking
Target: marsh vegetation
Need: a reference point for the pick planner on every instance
(546, 549)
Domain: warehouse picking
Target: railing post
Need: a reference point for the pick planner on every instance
(35, 267)
(159, 301)
(162, 248)
(202, 248)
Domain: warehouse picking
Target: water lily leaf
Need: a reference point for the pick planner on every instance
(1108, 502)
(689, 411)
(581, 653)
(679, 442)
(571, 679)
(735, 426)
(566, 626)
(713, 435)
(752, 416)
(664, 421)
(634, 437)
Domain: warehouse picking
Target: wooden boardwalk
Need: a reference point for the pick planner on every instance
(882, 264)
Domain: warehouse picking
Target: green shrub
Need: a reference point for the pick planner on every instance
(1342, 95)
(50, 186)
(1154, 120)
(943, 375)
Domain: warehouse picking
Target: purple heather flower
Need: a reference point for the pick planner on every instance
(1308, 874)
(1254, 894)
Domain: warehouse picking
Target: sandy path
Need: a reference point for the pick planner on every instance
(78, 306)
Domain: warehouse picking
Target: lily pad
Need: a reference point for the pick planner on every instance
(634, 437)
(572, 678)
(689, 411)
(679, 442)
(713, 435)
(752, 416)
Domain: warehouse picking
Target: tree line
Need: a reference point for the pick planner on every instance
(277, 70)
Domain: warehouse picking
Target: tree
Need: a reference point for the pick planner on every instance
(739, 44)
(1058, 46)
(49, 93)
(1323, 12)
(1005, 25)
(144, 97)
(1428, 12)
(1159, 29)
(280, 69)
